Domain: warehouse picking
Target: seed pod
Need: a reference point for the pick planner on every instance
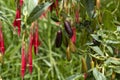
(98, 4)
(113, 76)
(84, 65)
(68, 28)
(1, 58)
(68, 53)
(58, 40)
(92, 64)
(72, 46)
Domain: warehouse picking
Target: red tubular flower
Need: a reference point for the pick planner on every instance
(73, 38)
(85, 76)
(30, 53)
(56, 3)
(17, 21)
(54, 6)
(21, 2)
(77, 16)
(2, 48)
(51, 7)
(23, 61)
(36, 41)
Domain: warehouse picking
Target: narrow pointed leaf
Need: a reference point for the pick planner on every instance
(37, 11)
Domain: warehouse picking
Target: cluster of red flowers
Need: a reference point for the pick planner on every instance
(2, 48)
(17, 21)
(33, 42)
(34, 37)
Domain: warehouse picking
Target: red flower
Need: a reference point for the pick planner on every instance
(54, 6)
(17, 21)
(2, 48)
(21, 2)
(85, 76)
(73, 38)
(23, 61)
(30, 53)
(77, 16)
(36, 41)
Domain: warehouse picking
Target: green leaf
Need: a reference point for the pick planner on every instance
(116, 69)
(97, 50)
(37, 11)
(89, 7)
(75, 77)
(110, 49)
(112, 42)
(31, 5)
(118, 28)
(13, 51)
(96, 37)
(114, 61)
(108, 21)
(98, 75)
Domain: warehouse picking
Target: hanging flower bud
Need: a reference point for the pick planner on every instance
(30, 53)
(68, 28)
(17, 21)
(2, 48)
(73, 38)
(23, 61)
(36, 41)
(58, 40)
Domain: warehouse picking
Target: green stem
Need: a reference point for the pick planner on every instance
(50, 48)
(37, 69)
